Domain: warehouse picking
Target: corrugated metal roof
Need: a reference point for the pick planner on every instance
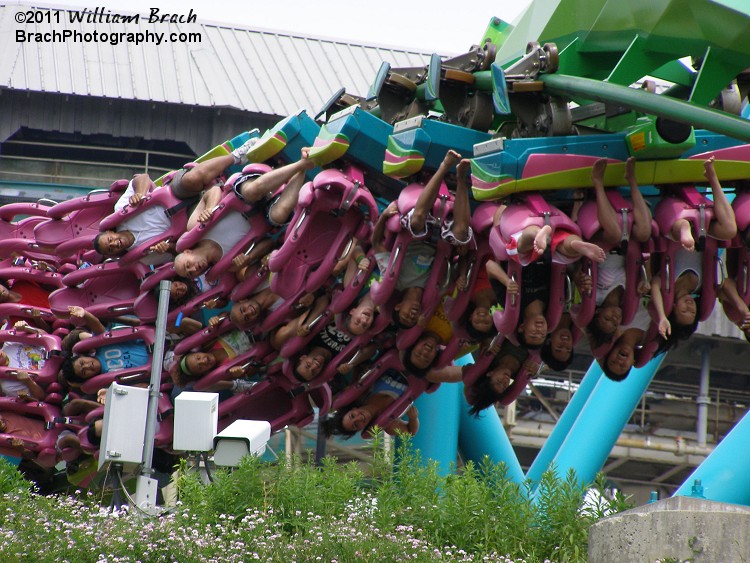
(269, 72)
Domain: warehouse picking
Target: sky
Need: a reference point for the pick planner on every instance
(442, 26)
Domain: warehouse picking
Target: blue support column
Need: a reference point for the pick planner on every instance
(564, 424)
(485, 436)
(601, 422)
(723, 474)
(437, 438)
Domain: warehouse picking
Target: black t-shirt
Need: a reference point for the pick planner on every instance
(509, 349)
(331, 338)
(535, 280)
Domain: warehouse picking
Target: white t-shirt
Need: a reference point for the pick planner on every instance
(642, 318)
(228, 231)
(144, 225)
(12, 388)
(610, 274)
(25, 357)
(686, 261)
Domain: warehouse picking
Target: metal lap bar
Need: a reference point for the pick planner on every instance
(251, 247)
(721, 271)
(625, 233)
(251, 364)
(299, 223)
(365, 376)
(439, 224)
(394, 260)
(92, 192)
(568, 290)
(702, 220)
(354, 357)
(448, 272)
(316, 320)
(469, 271)
(493, 343)
(347, 249)
(132, 377)
(346, 204)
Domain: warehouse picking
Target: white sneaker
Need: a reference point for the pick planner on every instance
(240, 153)
(242, 386)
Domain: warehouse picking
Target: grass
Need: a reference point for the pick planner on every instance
(299, 512)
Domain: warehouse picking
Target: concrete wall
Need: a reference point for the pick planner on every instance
(675, 529)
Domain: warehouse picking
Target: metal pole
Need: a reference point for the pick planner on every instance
(288, 450)
(640, 100)
(146, 487)
(156, 368)
(703, 399)
(509, 416)
(718, 412)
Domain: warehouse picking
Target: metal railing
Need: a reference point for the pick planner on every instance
(39, 171)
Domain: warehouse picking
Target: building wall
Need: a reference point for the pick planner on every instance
(201, 128)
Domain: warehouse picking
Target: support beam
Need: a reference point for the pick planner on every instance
(646, 102)
(669, 473)
(437, 438)
(545, 403)
(615, 464)
(703, 400)
(601, 421)
(564, 424)
(485, 436)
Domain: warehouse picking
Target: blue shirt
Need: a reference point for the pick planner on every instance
(123, 355)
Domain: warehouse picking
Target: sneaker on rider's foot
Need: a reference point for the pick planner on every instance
(240, 153)
(242, 386)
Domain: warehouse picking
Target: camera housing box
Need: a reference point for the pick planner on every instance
(196, 420)
(125, 413)
(241, 438)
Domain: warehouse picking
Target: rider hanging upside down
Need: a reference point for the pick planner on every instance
(415, 270)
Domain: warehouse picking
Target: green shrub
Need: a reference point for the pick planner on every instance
(11, 480)
(300, 512)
